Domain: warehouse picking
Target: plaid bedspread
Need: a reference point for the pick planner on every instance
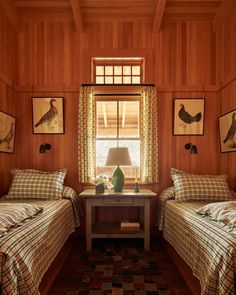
(27, 252)
(204, 245)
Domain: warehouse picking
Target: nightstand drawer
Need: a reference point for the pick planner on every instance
(118, 201)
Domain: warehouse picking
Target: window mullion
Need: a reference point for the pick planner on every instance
(117, 122)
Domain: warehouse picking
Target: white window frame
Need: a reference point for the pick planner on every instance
(120, 97)
(117, 61)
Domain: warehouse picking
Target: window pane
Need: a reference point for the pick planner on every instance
(135, 70)
(100, 70)
(102, 147)
(134, 151)
(118, 80)
(128, 118)
(127, 80)
(135, 80)
(126, 70)
(106, 117)
(99, 80)
(108, 80)
(108, 70)
(117, 70)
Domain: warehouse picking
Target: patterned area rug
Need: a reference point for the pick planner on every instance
(115, 268)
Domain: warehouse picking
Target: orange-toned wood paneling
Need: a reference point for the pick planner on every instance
(226, 73)
(7, 94)
(64, 146)
(52, 58)
(8, 48)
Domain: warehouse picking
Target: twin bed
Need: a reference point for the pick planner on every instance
(29, 244)
(202, 232)
(32, 233)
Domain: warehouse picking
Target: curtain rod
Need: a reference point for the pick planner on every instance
(118, 94)
(117, 85)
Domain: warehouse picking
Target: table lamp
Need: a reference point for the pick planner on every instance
(118, 156)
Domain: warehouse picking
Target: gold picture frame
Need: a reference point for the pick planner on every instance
(48, 115)
(7, 132)
(188, 116)
(227, 130)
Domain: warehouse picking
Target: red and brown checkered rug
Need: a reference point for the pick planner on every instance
(115, 268)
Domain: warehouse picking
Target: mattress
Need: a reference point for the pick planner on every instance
(26, 252)
(204, 245)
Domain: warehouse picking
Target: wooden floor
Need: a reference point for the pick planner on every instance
(175, 282)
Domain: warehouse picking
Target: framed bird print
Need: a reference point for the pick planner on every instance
(189, 116)
(48, 115)
(7, 132)
(227, 128)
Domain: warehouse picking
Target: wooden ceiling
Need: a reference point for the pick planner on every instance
(82, 11)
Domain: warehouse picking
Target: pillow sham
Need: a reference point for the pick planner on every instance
(200, 187)
(38, 185)
(222, 212)
(176, 171)
(13, 215)
(28, 170)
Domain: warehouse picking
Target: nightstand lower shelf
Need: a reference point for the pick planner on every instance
(113, 230)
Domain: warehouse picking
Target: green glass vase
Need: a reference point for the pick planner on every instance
(118, 180)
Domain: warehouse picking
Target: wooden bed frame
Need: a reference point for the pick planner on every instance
(56, 265)
(186, 272)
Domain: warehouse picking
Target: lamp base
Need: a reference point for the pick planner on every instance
(118, 180)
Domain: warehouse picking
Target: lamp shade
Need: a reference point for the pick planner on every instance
(118, 156)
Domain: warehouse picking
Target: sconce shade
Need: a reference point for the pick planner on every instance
(44, 147)
(194, 149)
(191, 147)
(118, 156)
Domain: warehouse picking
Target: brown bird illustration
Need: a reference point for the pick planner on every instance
(231, 131)
(186, 117)
(8, 138)
(49, 115)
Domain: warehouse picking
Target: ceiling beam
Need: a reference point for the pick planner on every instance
(11, 12)
(158, 16)
(222, 13)
(77, 15)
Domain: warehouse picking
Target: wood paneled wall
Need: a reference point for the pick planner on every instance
(7, 94)
(226, 74)
(54, 59)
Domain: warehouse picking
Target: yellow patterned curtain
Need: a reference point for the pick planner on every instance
(86, 135)
(149, 134)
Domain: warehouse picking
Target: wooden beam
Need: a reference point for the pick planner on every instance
(158, 16)
(11, 12)
(77, 15)
(222, 13)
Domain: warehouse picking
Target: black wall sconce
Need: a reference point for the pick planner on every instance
(44, 147)
(191, 147)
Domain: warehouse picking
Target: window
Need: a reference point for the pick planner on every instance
(106, 120)
(118, 124)
(118, 70)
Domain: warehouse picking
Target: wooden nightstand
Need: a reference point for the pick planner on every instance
(113, 230)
